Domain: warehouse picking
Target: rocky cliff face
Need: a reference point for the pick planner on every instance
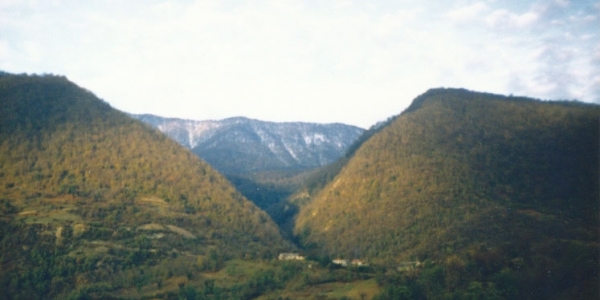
(239, 145)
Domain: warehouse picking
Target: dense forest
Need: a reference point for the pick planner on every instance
(90, 195)
(464, 195)
(487, 187)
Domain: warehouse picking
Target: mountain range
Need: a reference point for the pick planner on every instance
(464, 195)
(241, 145)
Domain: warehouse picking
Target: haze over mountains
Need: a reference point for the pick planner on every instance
(464, 195)
(240, 145)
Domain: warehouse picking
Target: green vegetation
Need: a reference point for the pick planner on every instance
(470, 181)
(283, 193)
(91, 198)
(463, 196)
(272, 191)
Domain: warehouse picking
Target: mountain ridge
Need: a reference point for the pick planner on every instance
(464, 195)
(269, 145)
(470, 184)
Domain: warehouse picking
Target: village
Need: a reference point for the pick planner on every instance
(402, 267)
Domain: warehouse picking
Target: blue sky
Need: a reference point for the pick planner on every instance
(355, 62)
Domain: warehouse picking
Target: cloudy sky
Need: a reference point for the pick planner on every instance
(355, 62)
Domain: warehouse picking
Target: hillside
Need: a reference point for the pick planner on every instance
(241, 145)
(94, 203)
(495, 194)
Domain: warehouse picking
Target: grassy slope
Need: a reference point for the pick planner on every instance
(79, 181)
(462, 174)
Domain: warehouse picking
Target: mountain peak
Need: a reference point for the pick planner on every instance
(458, 155)
(101, 197)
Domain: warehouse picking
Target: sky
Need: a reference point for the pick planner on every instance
(353, 62)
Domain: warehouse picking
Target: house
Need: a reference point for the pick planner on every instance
(290, 256)
(344, 262)
(358, 263)
(340, 262)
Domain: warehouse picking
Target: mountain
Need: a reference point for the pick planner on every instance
(94, 204)
(241, 145)
(493, 197)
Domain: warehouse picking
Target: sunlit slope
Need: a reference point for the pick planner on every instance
(81, 181)
(461, 170)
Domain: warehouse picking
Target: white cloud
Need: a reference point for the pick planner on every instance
(468, 14)
(503, 19)
(294, 60)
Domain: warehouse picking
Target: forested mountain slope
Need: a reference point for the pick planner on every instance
(482, 185)
(94, 202)
(241, 145)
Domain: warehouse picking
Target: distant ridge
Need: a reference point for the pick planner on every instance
(240, 145)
